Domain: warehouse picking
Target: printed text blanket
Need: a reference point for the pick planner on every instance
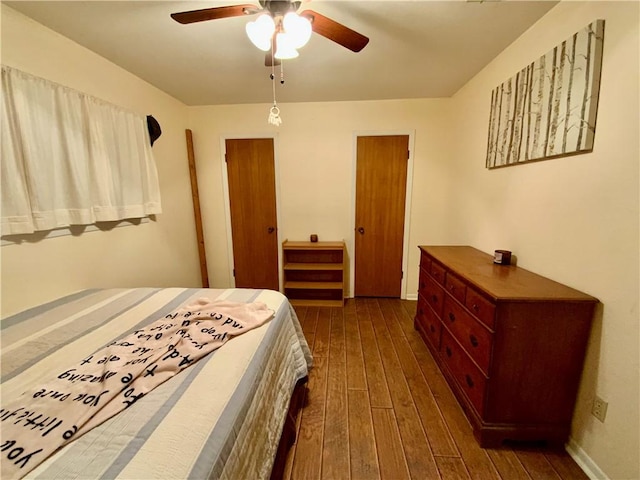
(82, 397)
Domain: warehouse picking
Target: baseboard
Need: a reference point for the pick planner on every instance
(412, 296)
(584, 461)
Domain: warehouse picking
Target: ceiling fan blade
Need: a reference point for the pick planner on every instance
(335, 31)
(214, 13)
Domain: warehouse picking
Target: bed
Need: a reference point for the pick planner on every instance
(221, 418)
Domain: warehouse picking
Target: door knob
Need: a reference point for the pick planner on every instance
(361, 230)
(271, 229)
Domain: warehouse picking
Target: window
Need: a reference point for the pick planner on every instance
(70, 159)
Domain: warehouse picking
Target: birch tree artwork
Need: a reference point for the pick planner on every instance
(548, 109)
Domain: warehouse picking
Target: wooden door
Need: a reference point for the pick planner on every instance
(252, 202)
(381, 179)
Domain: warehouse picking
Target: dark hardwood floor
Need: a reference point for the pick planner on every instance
(378, 407)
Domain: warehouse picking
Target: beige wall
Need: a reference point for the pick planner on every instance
(315, 158)
(158, 253)
(574, 219)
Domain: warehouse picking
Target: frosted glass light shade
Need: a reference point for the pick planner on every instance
(298, 28)
(260, 31)
(284, 47)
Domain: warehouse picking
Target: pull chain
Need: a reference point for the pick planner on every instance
(274, 112)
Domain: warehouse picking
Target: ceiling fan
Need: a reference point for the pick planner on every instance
(276, 19)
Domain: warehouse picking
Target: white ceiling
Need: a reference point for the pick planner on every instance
(417, 49)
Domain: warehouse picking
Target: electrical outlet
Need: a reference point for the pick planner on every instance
(599, 409)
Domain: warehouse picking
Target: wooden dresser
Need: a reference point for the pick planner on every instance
(510, 343)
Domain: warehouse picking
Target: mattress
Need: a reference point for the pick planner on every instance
(220, 418)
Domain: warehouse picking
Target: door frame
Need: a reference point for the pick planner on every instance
(227, 203)
(407, 206)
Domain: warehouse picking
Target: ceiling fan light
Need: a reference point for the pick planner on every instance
(284, 47)
(299, 28)
(260, 31)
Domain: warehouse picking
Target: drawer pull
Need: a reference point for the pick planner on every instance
(432, 328)
(448, 350)
(469, 380)
(475, 307)
(452, 288)
(473, 340)
(452, 317)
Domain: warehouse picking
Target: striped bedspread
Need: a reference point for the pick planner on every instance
(220, 418)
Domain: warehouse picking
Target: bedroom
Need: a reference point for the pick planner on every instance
(573, 219)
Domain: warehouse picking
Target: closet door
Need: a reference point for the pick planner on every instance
(381, 179)
(252, 204)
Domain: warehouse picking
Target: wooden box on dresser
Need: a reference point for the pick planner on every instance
(510, 343)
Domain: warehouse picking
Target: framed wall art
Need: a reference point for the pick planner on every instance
(548, 109)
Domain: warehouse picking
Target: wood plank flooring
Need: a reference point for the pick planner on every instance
(378, 407)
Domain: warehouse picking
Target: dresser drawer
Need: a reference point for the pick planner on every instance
(430, 322)
(437, 272)
(481, 307)
(470, 333)
(455, 286)
(422, 282)
(425, 262)
(434, 294)
(465, 373)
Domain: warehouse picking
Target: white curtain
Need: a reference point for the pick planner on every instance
(70, 159)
